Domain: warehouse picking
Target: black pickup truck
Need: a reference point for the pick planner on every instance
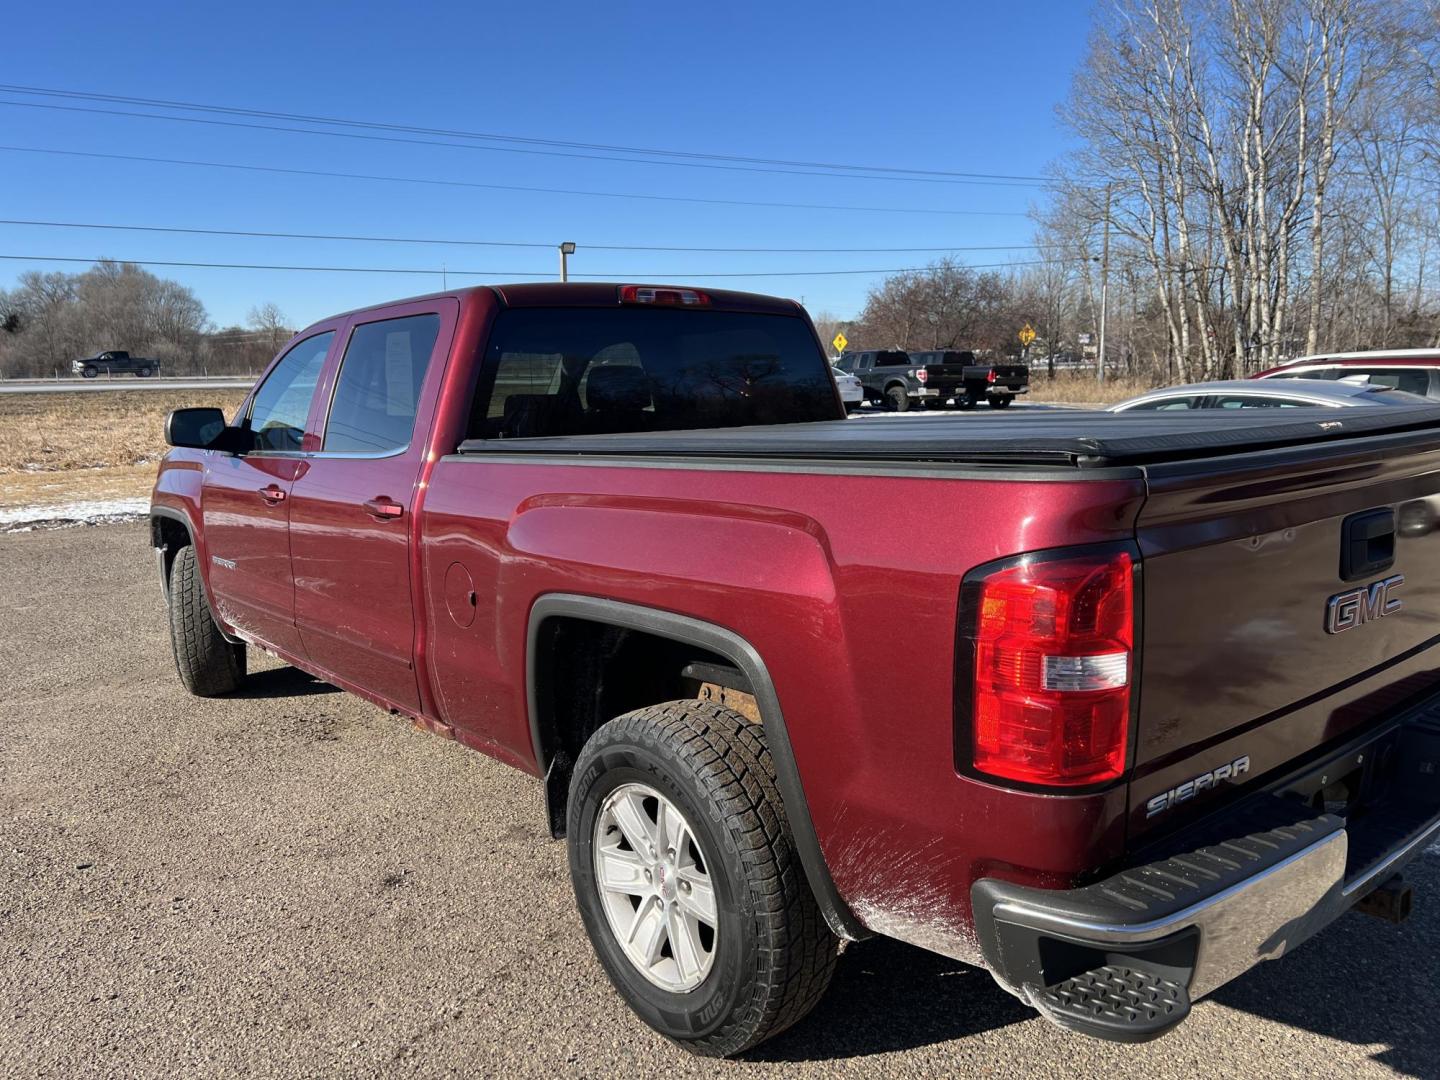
(115, 362)
(934, 379)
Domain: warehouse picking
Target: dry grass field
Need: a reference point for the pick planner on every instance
(1071, 388)
(60, 448)
(57, 448)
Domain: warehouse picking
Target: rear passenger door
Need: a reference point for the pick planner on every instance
(352, 531)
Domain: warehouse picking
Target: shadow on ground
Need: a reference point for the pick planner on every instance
(890, 996)
(282, 682)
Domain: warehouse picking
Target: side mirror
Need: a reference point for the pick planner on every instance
(202, 429)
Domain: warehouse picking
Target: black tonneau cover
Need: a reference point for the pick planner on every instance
(1071, 437)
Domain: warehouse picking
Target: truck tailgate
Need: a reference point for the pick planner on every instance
(1259, 645)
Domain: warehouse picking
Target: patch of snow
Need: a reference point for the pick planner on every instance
(63, 515)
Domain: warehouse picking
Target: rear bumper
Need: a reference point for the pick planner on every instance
(1267, 877)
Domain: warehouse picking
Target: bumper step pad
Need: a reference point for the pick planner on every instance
(1115, 1002)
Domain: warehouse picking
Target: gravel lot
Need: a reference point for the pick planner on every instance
(290, 883)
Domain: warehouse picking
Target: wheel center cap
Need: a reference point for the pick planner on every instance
(665, 879)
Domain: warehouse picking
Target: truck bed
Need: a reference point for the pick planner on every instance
(1060, 437)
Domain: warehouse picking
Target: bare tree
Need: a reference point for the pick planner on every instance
(268, 321)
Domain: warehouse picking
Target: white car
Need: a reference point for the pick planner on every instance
(852, 393)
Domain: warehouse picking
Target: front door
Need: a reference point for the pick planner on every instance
(352, 531)
(245, 502)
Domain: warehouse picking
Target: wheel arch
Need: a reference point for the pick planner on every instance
(170, 530)
(739, 652)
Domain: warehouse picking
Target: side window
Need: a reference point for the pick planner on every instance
(1163, 405)
(1411, 380)
(279, 408)
(378, 388)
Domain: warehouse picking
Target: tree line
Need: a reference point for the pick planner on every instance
(1256, 180)
(50, 319)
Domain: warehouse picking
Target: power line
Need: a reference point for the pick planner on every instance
(508, 187)
(623, 276)
(997, 181)
(191, 106)
(545, 244)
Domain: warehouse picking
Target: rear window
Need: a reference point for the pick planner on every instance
(583, 371)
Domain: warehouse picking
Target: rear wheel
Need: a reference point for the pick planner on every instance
(687, 879)
(1000, 401)
(208, 664)
(897, 397)
(143, 373)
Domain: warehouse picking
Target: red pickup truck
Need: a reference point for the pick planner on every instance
(1113, 705)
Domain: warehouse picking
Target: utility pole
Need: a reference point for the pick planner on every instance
(566, 250)
(1104, 288)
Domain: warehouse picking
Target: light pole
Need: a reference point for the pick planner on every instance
(566, 250)
(1104, 307)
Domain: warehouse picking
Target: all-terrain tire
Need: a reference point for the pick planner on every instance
(208, 664)
(897, 397)
(90, 372)
(774, 953)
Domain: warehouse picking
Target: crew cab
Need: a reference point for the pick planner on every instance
(900, 380)
(115, 362)
(1170, 704)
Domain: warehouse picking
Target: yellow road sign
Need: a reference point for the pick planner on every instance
(840, 342)
(1027, 334)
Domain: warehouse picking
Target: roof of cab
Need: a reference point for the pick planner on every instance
(588, 294)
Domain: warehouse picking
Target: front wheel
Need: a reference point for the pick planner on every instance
(90, 372)
(1000, 401)
(208, 664)
(687, 879)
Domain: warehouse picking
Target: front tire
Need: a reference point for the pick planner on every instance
(90, 372)
(208, 665)
(767, 956)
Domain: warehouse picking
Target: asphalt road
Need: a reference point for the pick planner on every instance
(289, 883)
(121, 382)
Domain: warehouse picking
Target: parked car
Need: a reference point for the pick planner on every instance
(1249, 394)
(115, 362)
(934, 379)
(852, 391)
(617, 536)
(1416, 371)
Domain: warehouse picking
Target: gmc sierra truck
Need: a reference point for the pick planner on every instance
(115, 362)
(934, 380)
(1173, 702)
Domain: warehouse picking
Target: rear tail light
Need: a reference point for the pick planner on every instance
(922, 374)
(1053, 646)
(654, 294)
(990, 375)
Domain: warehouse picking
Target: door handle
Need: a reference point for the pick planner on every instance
(274, 494)
(384, 508)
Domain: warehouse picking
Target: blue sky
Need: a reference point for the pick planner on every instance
(939, 86)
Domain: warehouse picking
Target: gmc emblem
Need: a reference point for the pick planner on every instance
(1347, 610)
